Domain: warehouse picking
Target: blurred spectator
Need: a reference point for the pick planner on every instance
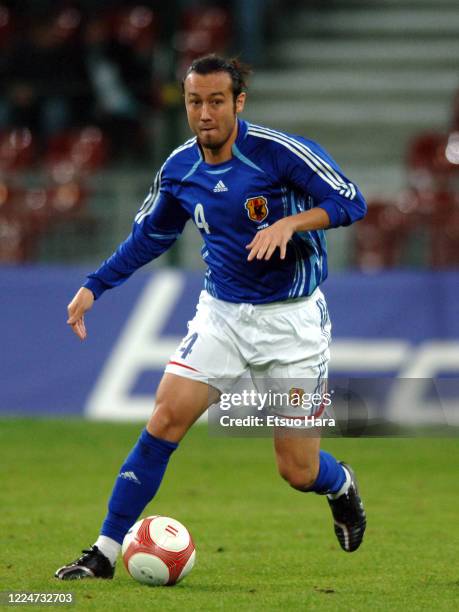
(70, 63)
(118, 58)
(251, 21)
(455, 112)
(43, 75)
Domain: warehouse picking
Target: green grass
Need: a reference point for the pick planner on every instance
(260, 545)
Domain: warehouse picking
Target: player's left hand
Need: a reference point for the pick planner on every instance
(268, 240)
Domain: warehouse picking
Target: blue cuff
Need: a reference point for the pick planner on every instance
(96, 286)
(336, 212)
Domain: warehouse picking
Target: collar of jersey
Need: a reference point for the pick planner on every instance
(241, 134)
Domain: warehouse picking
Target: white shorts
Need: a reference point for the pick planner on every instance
(282, 346)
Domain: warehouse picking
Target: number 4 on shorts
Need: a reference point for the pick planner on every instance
(185, 350)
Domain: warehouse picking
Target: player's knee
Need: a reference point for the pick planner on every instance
(160, 423)
(164, 423)
(299, 477)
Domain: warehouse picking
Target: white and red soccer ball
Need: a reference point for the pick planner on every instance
(158, 550)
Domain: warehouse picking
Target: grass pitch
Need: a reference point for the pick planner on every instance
(260, 545)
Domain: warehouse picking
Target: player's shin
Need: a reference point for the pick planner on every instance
(138, 480)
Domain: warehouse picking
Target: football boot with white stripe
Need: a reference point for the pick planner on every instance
(91, 564)
(349, 515)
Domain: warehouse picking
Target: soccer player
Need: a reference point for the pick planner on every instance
(261, 200)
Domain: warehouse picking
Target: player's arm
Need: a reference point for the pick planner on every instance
(268, 240)
(156, 227)
(337, 201)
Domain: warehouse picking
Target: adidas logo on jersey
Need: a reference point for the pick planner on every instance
(219, 187)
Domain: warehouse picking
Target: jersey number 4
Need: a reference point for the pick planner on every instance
(200, 219)
(187, 345)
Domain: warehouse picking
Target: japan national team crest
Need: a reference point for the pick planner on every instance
(257, 208)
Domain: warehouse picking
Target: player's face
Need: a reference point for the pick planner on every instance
(211, 110)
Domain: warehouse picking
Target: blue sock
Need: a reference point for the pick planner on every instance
(137, 483)
(331, 476)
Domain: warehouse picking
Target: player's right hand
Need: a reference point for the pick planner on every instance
(81, 303)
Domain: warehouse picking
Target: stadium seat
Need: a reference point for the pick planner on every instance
(77, 152)
(214, 20)
(16, 149)
(135, 26)
(66, 201)
(27, 205)
(203, 30)
(35, 208)
(17, 240)
(432, 225)
(67, 23)
(46, 206)
(430, 161)
(379, 236)
(455, 112)
(6, 26)
(441, 218)
(8, 197)
(40, 207)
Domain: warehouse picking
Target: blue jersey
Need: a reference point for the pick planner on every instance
(270, 175)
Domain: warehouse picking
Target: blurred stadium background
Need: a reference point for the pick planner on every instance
(89, 107)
